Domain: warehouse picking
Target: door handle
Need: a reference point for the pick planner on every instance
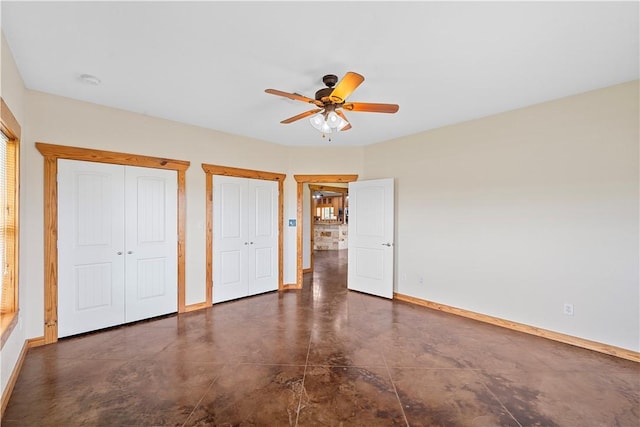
(246, 243)
(387, 244)
(129, 252)
(119, 252)
(251, 243)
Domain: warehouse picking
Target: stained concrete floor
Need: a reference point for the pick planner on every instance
(322, 356)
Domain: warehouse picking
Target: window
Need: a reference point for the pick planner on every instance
(9, 194)
(327, 213)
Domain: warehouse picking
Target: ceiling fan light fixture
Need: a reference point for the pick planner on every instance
(335, 121)
(332, 122)
(317, 120)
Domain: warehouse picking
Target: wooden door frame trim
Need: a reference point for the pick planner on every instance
(51, 154)
(330, 188)
(307, 179)
(312, 239)
(210, 171)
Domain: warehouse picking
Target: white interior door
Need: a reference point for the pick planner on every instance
(371, 253)
(151, 242)
(262, 215)
(90, 246)
(230, 238)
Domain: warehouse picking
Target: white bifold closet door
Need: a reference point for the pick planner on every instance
(245, 237)
(117, 245)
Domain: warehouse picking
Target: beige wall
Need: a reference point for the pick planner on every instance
(515, 214)
(11, 84)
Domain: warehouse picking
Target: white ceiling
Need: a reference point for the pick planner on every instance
(208, 63)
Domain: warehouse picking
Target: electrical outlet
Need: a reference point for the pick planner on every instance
(421, 280)
(567, 309)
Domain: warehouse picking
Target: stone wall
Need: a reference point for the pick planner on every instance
(328, 237)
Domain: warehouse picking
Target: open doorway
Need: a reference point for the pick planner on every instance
(328, 213)
(305, 221)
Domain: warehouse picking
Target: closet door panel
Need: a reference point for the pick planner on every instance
(90, 246)
(151, 242)
(230, 240)
(263, 236)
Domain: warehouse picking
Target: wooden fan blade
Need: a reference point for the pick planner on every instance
(371, 108)
(294, 96)
(301, 116)
(341, 114)
(346, 86)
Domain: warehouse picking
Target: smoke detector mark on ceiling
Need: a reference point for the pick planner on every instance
(89, 79)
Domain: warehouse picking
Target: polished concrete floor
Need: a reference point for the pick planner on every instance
(321, 357)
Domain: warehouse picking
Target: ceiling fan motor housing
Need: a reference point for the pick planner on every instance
(330, 80)
(323, 93)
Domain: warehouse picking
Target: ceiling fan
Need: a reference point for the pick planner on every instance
(328, 117)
